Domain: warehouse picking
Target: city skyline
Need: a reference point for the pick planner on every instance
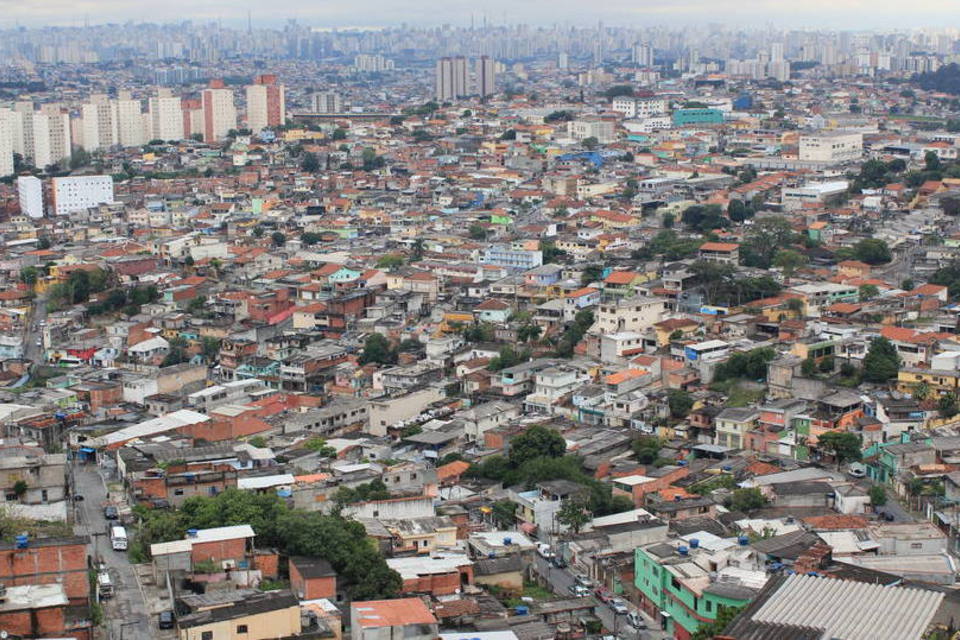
(841, 14)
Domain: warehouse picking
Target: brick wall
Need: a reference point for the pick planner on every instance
(65, 563)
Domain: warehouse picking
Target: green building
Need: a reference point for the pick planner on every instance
(678, 585)
(682, 117)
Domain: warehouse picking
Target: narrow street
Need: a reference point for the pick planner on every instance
(560, 581)
(125, 615)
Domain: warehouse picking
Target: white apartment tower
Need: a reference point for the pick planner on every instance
(166, 116)
(451, 78)
(131, 129)
(6, 142)
(219, 113)
(77, 193)
(326, 102)
(643, 54)
(266, 103)
(30, 193)
(486, 76)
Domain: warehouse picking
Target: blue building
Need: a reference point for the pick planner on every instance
(682, 117)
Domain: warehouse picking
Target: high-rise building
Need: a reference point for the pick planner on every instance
(30, 192)
(14, 123)
(266, 103)
(367, 63)
(219, 113)
(326, 102)
(76, 193)
(776, 52)
(6, 142)
(563, 61)
(131, 129)
(166, 116)
(486, 76)
(99, 123)
(642, 54)
(451, 76)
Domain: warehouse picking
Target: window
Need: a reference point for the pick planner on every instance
(241, 628)
(916, 545)
(206, 635)
(178, 492)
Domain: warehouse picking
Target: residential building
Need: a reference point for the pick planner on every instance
(831, 147)
(399, 619)
(76, 193)
(219, 112)
(266, 103)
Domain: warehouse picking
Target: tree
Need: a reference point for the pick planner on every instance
(310, 163)
(931, 161)
(646, 449)
(477, 232)
(211, 348)
(390, 261)
(747, 500)
(872, 251)
(591, 273)
(881, 362)
(868, 291)
(947, 405)
(29, 276)
(258, 231)
(764, 239)
(789, 261)
(79, 158)
(680, 403)
(339, 134)
(573, 514)
(528, 332)
(725, 616)
(319, 446)
(20, 488)
(278, 238)
(590, 143)
(668, 220)
(808, 368)
(416, 251)
(310, 238)
(504, 513)
(878, 495)
(377, 349)
(843, 446)
(537, 441)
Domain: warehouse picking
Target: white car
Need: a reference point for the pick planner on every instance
(619, 607)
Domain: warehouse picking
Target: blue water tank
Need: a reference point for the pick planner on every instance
(743, 541)
(508, 541)
(682, 550)
(682, 463)
(727, 467)
(192, 533)
(22, 541)
(521, 610)
(694, 543)
(812, 574)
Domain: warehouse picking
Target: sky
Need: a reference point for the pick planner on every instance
(839, 14)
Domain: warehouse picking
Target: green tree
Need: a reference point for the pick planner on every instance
(668, 220)
(646, 449)
(765, 238)
(211, 348)
(590, 143)
(310, 163)
(747, 500)
(79, 158)
(680, 403)
(573, 514)
(504, 513)
(843, 446)
(278, 238)
(339, 134)
(29, 276)
(725, 616)
(258, 231)
(789, 261)
(868, 291)
(318, 445)
(591, 273)
(878, 495)
(477, 232)
(881, 362)
(377, 349)
(390, 261)
(872, 251)
(947, 405)
(537, 441)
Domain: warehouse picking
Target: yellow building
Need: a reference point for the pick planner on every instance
(937, 381)
(241, 615)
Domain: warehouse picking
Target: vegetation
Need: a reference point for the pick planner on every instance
(377, 349)
(747, 500)
(341, 542)
(843, 446)
(878, 495)
(646, 449)
(751, 364)
(680, 403)
(881, 362)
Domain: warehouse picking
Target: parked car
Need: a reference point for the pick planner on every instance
(619, 607)
(583, 580)
(558, 562)
(602, 593)
(77, 497)
(110, 512)
(166, 620)
(545, 551)
(579, 590)
(635, 620)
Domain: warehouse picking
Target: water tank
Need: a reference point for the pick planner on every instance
(22, 541)
(743, 541)
(694, 543)
(727, 467)
(508, 541)
(682, 463)
(521, 610)
(491, 555)
(682, 550)
(192, 533)
(812, 574)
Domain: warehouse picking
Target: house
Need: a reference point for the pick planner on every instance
(400, 619)
(492, 310)
(243, 614)
(312, 578)
(720, 252)
(733, 424)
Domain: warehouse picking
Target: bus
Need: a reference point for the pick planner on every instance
(118, 538)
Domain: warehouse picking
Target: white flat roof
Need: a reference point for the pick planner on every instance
(413, 567)
(168, 422)
(216, 534)
(633, 480)
(265, 482)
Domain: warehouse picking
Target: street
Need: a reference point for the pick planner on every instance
(33, 331)
(560, 581)
(125, 615)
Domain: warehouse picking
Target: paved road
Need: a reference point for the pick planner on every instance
(34, 332)
(125, 614)
(560, 581)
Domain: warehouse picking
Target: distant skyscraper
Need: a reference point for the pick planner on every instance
(131, 127)
(219, 113)
(643, 54)
(6, 142)
(486, 76)
(451, 77)
(776, 52)
(367, 63)
(563, 61)
(326, 102)
(266, 103)
(166, 117)
(30, 193)
(99, 123)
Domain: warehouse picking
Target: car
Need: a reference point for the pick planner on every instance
(889, 517)
(558, 562)
(635, 621)
(583, 580)
(545, 551)
(602, 593)
(619, 607)
(110, 512)
(165, 619)
(77, 497)
(578, 590)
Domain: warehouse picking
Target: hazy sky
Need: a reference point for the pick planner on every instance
(846, 14)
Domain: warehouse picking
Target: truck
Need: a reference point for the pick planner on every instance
(118, 538)
(104, 585)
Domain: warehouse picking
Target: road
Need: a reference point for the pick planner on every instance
(560, 581)
(125, 614)
(31, 350)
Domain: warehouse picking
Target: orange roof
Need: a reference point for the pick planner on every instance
(310, 478)
(452, 469)
(579, 293)
(620, 277)
(623, 376)
(836, 522)
(392, 613)
(901, 334)
(719, 246)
